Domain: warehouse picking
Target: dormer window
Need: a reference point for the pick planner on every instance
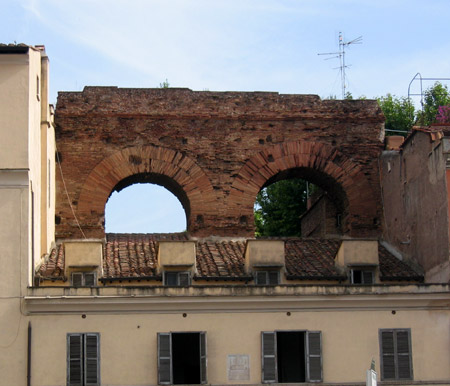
(362, 276)
(271, 277)
(177, 279)
(84, 279)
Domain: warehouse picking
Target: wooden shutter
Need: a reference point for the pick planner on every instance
(164, 358)
(77, 279)
(203, 358)
(91, 360)
(314, 356)
(183, 279)
(74, 359)
(367, 277)
(261, 278)
(269, 357)
(403, 354)
(89, 279)
(387, 354)
(274, 277)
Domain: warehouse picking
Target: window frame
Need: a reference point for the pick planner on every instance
(168, 367)
(267, 277)
(395, 354)
(178, 276)
(83, 359)
(363, 271)
(310, 354)
(83, 279)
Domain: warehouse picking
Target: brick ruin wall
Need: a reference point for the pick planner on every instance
(214, 151)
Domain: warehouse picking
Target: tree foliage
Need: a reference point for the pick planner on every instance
(279, 207)
(434, 97)
(399, 114)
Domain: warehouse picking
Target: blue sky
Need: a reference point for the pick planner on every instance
(239, 45)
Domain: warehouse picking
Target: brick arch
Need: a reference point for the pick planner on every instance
(162, 162)
(361, 214)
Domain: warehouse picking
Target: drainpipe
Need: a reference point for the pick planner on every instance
(29, 356)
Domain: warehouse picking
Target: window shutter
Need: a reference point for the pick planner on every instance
(403, 355)
(269, 357)
(203, 358)
(164, 358)
(261, 278)
(367, 277)
(91, 360)
(89, 279)
(77, 279)
(74, 359)
(314, 356)
(274, 277)
(387, 354)
(183, 278)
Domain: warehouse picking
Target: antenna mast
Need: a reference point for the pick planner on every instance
(341, 56)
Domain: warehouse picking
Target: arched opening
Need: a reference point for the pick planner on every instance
(300, 202)
(147, 203)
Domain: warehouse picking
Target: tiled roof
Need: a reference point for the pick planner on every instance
(134, 256)
(393, 269)
(53, 266)
(312, 259)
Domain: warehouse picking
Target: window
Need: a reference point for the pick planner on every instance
(177, 279)
(181, 358)
(362, 276)
(84, 279)
(267, 277)
(38, 88)
(291, 356)
(83, 356)
(395, 353)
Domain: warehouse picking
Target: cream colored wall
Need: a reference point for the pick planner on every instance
(14, 202)
(176, 253)
(350, 341)
(14, 101)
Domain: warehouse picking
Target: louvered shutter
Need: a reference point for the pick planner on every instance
(261, 278)
(74, 359)
(89, 279)
(274, 277)
(403, 355)
(164, 358)
(183, 278)
(91, 360)
(77, 279)
(269, 357)
(387, 354)
(203, 358)
(314, 356)
(367, 277)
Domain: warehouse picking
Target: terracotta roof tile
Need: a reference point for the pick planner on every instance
(134, 256)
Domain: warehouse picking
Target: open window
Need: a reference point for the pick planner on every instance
(83, 359)
(362, 276)
(395, 353)
(291, 356)
(182, 358)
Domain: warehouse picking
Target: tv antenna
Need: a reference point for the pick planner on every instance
(341, 56)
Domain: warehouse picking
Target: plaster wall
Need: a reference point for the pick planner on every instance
(128, 343)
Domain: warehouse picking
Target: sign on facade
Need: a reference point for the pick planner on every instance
(238, 367)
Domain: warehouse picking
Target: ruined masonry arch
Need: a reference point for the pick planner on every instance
(123, 164)
(320, 157)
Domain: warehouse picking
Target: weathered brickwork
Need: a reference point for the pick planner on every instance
(214, 151)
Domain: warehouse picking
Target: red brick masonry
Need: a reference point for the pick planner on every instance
(215, 151)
